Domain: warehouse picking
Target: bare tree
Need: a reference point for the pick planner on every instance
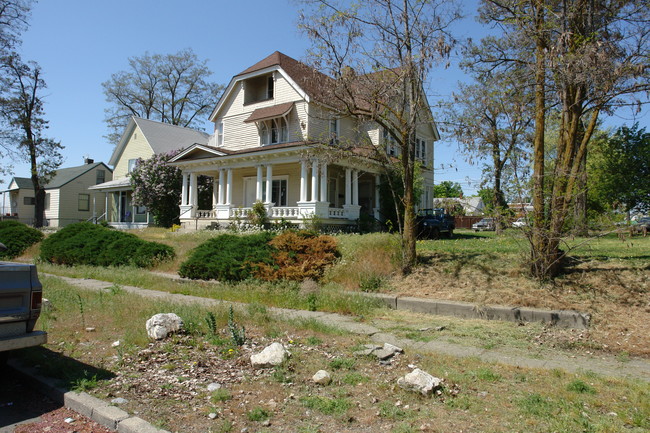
(586, 58)
(380, 52)
(491, 121)
(21, 113)
(171, 88)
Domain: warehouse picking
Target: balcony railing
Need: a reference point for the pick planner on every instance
(277, 212)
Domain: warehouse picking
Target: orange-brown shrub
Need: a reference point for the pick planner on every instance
(299, 255)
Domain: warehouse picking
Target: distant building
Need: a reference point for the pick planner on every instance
(67, 199)
(473, 206)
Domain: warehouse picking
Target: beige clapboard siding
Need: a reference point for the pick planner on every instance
(136, 147)
(239, 135)
(52, 211)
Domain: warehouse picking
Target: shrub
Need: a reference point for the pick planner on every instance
(95, 245)
(298, 255)
(228, 257)
(17, 237)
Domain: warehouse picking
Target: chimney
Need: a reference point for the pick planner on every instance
(88, 161)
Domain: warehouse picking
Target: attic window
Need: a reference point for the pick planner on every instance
(258, 89)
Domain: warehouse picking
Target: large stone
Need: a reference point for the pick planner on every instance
(272, 355)
(322, 377)
(161, 325)
(419, 381)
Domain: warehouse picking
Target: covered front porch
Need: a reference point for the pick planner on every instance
(120, 212)
(293, 189)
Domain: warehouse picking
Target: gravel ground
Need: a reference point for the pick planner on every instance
(25, 410)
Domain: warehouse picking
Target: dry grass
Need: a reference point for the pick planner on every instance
(165, 382)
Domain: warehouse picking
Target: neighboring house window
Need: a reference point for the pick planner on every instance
(220, 134)
(278, 192)
(270, 82)
(274, 131)
(132, 163)
(29, 201)
(420, 149)
(334, 131)
(47, 201)
(101, 177)
(84, 202)
(140, 210)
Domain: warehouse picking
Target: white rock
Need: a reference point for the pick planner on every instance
(212, 415)
(115, 343)
(46, 305)
(419, 381)
(161, 325)
(272, 355)
(394, 349)
(69, 420)
(322, 377)
(119, 400)
(213, 386)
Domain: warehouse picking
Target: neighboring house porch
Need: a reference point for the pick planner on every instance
(121, 213)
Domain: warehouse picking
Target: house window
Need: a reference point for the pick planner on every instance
(47, 201)
(270, 82)
(132, 164)
(140, 210)
(278, 192)
(83, 202)
(389, 143)
(220, 134)
(334, 131)
(29, 201)
(274, 131)
(101, 177)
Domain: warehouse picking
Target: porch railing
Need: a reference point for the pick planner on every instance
(292, 212)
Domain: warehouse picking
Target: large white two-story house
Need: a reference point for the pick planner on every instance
(272, 127)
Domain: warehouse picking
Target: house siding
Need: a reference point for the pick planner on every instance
(136, 147)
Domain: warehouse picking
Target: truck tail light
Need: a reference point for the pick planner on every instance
(37, 299)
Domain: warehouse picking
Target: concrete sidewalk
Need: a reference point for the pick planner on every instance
(638, 369)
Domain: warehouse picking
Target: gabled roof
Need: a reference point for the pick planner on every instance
(61, 176)
(161, 137)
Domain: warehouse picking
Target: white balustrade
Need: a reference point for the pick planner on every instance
(335, 212)
(285, 212)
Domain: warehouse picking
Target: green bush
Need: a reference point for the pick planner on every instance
(95, 245)
(228, 257)
(17, 237)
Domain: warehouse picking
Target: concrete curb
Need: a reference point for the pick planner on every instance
(111, 417)
(465, 310)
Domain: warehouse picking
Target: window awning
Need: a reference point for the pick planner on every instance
(265, 113)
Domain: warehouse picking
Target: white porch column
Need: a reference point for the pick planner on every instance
(323, 183)
(193, 190)
(269, 183)
(184, 192)
(258, 190)
(229, 187)
(314, 180)
(348, 186)
(222, 187)
(303, 180)
(355, 187)
(215, 191)
(106, 206)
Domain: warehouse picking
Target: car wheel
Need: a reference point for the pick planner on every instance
(435, 233)
(450, 234)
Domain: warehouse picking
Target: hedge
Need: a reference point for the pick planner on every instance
(17, 237)
(91, 244)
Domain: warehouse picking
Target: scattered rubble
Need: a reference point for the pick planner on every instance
(272, 355)
(419, 381)
(322, 377)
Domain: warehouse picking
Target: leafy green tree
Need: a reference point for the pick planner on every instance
(157, 186)
(619, 170)
(447, 189)
(170, 88)
(23, 124)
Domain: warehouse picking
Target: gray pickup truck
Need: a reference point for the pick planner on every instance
(21, 295)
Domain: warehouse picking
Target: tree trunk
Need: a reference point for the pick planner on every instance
(580, 209)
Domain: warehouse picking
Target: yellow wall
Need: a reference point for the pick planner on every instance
(136, 147)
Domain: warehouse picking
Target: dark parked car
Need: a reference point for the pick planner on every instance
(484, 224)
(432, 222)
(20, 305)
(642, 225)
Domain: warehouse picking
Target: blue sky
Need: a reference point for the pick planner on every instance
(80, 43)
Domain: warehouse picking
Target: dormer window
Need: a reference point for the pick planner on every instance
(258, 89)
(389, 143)
(274, 131)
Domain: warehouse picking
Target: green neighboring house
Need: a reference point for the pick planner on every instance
(67, 199)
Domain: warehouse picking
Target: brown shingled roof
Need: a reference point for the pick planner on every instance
(270, 112)
(314, 83)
